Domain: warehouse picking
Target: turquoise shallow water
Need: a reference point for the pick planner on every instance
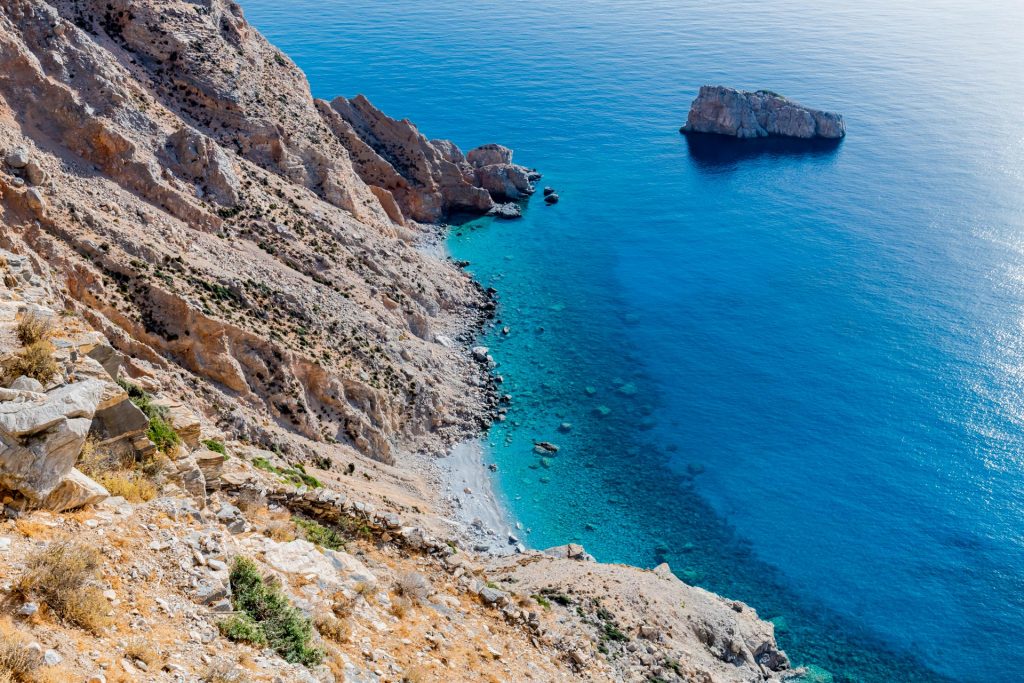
(794, 373)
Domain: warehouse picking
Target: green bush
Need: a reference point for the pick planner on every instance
(215, 446)
(241, 628)
(268, 610)
(317, 533)
(160, 430)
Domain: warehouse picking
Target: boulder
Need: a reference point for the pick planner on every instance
(17, 158)
(211, 463)
(570, 551)
(27, 384)
(121, 421)
(190, 477)
(330, 567)
(487, 155)
(74, 491)
(742, 114)
(504, 181)
(508, 210)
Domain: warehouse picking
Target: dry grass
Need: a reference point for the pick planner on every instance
(33, 328)
(63, 575)
(333, 628)
(400, 606)
(224, 671)
(17, 662)
(416, 674)
(35, 361)
(142, 649)
(120, 473)
(33, 529)
(133, 486)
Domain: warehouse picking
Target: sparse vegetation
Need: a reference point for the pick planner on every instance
(215, 446)
(122, 475)
(269, 612)
(33, 328)
(317, 533)
(295, 476)
(63, 575)
(17, 662)
(333, 628)
(223, 671)
(140, 649)
(160, 430)
(35, 361)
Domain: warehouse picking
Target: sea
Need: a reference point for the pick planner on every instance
(792, 371)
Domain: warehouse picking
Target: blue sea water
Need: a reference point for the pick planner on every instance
(795, 373)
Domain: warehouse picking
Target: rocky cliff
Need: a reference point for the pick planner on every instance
(227, 363)
(743, 114)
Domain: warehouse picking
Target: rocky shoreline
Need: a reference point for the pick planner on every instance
(248, 358)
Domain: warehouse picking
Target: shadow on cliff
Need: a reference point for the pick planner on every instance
(719, 153)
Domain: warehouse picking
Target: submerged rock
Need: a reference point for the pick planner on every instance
(742, 114)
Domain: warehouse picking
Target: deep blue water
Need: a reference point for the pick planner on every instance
(794, 373)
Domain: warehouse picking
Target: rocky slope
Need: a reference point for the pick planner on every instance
(221, 338)
(742, 114)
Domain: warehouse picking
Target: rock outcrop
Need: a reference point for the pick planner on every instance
(742, 114)
(41, 436)
(427, 179)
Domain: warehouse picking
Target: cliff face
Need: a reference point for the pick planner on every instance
(245, 337)
(742, 114)
(207, 217)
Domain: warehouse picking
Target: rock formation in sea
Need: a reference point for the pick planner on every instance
(226, 363)
(742, 114)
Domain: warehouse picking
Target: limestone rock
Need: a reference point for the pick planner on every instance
(743, 114)
(330, 567)
(121, 421)
(74, 491)
(17, 158)
(40, 438)
(427, 182)
(211, 464)
(202, 160)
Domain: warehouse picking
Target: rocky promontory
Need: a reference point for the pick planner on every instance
(742, 114)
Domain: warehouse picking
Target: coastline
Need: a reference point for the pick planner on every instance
(473, 503)
(464, 487)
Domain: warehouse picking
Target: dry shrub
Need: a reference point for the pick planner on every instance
(416, 674)
(18, 664)
(130, 485)
(32, 529)
(400, 606)
(333, 628)
(342, 605)
(35, 361)
(281, 530)
(33, 328)
(413, 586)
(120, 473)
(224, 671)
(141, 649)
(63, 575)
